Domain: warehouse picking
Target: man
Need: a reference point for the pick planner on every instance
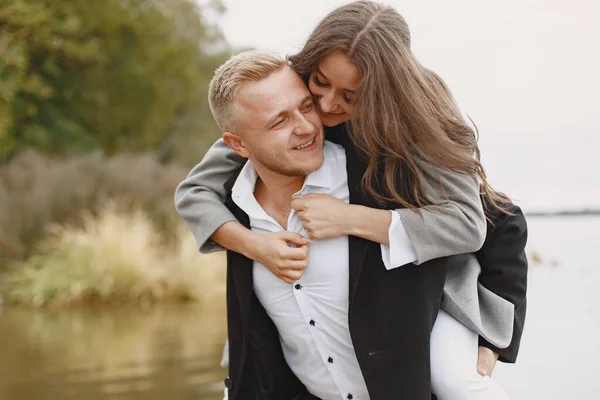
(348, 327)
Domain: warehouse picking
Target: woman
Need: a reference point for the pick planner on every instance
(419, 154)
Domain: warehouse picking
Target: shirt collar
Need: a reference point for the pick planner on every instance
(322, 177)
(243, 189)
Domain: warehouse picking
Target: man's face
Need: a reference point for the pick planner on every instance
(279, 125)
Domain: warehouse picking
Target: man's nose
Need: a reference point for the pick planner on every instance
(304, 126)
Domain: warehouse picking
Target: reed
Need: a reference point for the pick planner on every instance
(115, 257)
(37, 192)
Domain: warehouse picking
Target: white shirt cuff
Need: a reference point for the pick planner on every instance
(400, 251)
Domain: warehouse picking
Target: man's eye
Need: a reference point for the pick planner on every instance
(307, 107)
(279, 123)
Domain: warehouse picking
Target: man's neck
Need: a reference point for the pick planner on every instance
(274, 194)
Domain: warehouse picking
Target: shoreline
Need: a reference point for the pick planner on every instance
(564, 213)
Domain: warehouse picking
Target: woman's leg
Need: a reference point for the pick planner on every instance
(454, 363)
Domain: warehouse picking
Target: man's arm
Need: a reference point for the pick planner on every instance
(200, 198)
(504, 269)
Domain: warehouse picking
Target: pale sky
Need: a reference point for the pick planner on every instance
(526, 71)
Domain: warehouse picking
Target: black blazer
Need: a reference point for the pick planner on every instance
(504, 269)
(391, 314)
(502, 257)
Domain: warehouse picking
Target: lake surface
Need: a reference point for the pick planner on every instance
(126, 353)
(560, 350)
(174, 351)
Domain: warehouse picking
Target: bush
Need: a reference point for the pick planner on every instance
(116, 257)
(37, 191)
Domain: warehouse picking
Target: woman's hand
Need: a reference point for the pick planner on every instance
(486, 361)
(274, 252)
(323, 216)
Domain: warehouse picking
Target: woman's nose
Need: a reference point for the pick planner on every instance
(327, 102)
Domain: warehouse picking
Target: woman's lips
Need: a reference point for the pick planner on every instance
(326, 114)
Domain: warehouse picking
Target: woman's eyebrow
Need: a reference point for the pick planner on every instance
(321, 72)
(325, 76)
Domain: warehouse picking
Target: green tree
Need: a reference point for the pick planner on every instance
(120, 75)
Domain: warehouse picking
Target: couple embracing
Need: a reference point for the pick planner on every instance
(368, 257)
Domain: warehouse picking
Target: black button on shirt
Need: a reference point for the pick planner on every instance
(228, 383)
(349, 397)
(312, 322)
(330, 360)
(298, 286)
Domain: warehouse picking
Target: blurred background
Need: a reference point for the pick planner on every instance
(103, 111)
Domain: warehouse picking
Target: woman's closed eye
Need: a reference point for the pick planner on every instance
(318, 82)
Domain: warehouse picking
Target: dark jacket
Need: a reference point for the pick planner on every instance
(504, 269)
(391, 314)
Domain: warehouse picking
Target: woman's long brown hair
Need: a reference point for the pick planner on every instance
(403, 111)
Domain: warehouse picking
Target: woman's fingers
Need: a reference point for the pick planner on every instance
(295, 238)
(298, 204)
(296, 253)
(294, 274)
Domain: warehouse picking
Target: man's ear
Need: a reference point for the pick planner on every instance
(235, 142)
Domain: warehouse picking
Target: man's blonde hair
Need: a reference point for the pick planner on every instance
(249, 66)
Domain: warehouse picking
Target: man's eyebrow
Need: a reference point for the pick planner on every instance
(271, 121)
(325, 76)
(308, 97)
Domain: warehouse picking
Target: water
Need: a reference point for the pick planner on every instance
(174, 351)
(561, 342)
(125, 353)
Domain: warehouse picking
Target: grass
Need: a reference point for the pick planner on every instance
(37, 192)
(115, 257)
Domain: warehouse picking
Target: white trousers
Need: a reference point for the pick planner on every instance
(454, 363)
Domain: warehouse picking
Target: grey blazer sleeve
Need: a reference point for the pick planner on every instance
(486, 291)
(454, 224)
(200, 198)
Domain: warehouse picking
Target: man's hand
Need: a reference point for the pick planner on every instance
(274, 252)
(486, 361)
(323, 216)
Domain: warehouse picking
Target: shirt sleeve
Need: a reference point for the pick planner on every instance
(400, 250)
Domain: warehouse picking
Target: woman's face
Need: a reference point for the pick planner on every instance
(334, 84)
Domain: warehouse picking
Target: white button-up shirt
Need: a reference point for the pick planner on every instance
(311, 315)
